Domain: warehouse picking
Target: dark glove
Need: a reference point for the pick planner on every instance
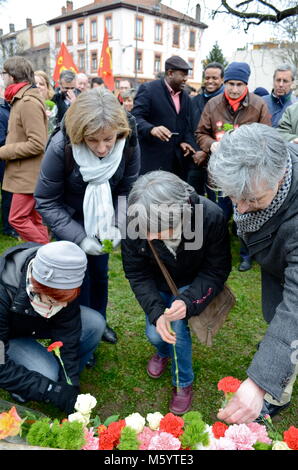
(62, 395)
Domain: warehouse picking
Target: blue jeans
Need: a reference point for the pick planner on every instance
(183, 345)
(32, 355)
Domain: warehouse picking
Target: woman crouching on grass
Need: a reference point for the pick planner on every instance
(39, 290)
(88, 164)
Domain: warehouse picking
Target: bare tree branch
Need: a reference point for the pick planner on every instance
(261, 17)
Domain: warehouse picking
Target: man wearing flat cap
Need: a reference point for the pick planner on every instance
(163, 113)
(233, 108)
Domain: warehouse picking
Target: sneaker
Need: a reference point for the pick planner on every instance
(245, 265)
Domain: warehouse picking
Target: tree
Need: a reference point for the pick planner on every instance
(256, 12)
(215, 55)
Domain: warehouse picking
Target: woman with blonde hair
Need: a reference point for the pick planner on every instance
(88, 165)
(47, 92)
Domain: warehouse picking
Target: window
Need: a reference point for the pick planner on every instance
(94, 61)
(191, 71)
(157, 63)
(139, 61)
(139, 27)
(93, 30)
(108, 24)
(81, 32)
(69, 37)
(58, 36)
(158, 32)
(176, 36)
(192, 40)
(81, 61)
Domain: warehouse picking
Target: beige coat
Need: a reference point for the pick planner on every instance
(25, 142)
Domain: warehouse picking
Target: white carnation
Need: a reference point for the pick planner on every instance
(84, 404)
(136, 422)
(84, 419)
(154, 419)
(280, 445)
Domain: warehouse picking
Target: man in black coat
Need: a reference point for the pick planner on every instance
(213, 86)
(163, 113)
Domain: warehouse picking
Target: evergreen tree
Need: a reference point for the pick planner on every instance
(215, 55)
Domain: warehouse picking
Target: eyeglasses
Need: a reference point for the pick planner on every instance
(4, 73)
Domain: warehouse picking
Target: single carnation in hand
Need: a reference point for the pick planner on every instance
(164, 441)
(172, 424)
(55, 346)
(291, 437)
(219, 429)
(229, 384)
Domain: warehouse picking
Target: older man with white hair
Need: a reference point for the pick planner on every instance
(258, 170)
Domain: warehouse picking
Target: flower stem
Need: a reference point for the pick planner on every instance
(66, 376)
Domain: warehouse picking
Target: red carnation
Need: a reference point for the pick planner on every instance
(109, 438)
(56, 345)
(291, 437)
(106, 441)
(219, 429)
(172, 424)
(229, 384)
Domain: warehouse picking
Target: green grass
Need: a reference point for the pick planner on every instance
(119, 381)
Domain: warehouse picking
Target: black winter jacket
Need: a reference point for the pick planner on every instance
(205, 269)
(18, 319)
(60, 188)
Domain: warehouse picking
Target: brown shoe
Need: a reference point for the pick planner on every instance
(181, 400)
(156, 366)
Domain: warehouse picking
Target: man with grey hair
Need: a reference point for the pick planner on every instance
(66, 94)
(162, 208)
(281, 96)
(82, 82)
(258, 170)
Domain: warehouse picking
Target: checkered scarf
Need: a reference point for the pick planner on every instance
(253, 221)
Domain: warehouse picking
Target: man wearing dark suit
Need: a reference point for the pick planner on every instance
(163, 113)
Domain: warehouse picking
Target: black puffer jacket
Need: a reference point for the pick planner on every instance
(18, 319)
(204, 269)
(60, 189)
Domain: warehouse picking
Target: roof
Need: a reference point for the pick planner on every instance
(144, 6)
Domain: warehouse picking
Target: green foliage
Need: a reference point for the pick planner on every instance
(192, 417)
(194, 432)
(215, 55)
(262, 446)
(49, 104)
(68, 435)
(128, 439)
(107, 246)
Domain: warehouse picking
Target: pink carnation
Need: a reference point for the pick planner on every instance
(91, 441)
(145, 437)
(242, 436)
(223, 443)
(260, 432)
(164, 441)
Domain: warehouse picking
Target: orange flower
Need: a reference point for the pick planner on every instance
(55, 346)
(219, 429)
(291, 437)
(229, 384)
(10, 423)
(101, 428)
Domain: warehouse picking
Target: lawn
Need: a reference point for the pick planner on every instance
(119, 380)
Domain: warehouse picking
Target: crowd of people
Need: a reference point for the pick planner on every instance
(84, 171)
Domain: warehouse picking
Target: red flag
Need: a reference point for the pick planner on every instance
(64, 61)
(105, 64)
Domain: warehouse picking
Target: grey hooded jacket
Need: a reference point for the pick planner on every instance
(275, 248)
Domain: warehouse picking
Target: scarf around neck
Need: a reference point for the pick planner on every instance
(214, 93)
(235, 103)
(253, 221)
(98, 205)
(12, 90)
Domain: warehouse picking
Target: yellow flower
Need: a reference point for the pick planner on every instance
(10, 423)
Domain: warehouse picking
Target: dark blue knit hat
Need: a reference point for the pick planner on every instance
(237, 71)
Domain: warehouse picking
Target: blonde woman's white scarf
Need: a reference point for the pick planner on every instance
(98, 202)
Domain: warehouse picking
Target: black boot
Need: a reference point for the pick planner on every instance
(109, 335)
